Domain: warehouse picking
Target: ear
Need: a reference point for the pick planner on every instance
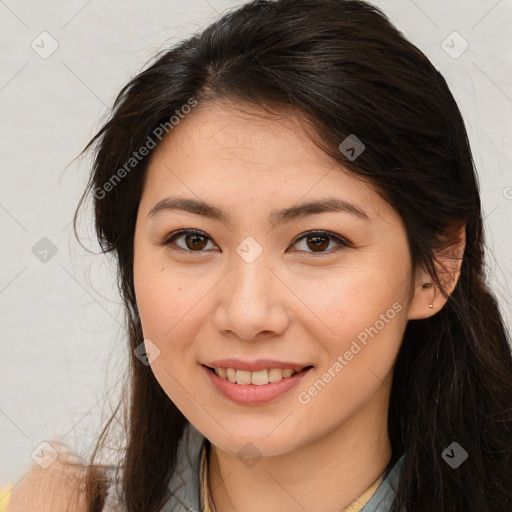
(448, 264)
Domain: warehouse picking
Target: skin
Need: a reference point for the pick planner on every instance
(292, 303)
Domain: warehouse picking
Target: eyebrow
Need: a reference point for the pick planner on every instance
(327, 204)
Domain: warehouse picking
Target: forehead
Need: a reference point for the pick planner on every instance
(246, 132)
(223, 150)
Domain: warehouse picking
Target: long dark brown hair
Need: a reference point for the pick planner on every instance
(346, 69)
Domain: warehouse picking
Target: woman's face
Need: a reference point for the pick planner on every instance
(256, 283)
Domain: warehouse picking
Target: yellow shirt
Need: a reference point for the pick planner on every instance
(208, 506)
(5, 495)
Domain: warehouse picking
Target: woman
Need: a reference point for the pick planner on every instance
(292, 202)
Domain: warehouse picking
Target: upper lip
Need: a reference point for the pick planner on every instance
(254, 366)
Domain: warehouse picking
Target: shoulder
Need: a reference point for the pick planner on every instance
(54, 483)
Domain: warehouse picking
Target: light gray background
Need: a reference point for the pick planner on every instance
(62, 345)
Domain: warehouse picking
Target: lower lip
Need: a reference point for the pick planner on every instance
(250, 393)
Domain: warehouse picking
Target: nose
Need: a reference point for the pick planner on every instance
(252, 301)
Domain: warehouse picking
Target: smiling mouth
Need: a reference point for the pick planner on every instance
(258, 378)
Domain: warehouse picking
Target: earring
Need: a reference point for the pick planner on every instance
(428, 285)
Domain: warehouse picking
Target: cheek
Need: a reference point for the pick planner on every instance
(168, 316)
(166, 308)
(360, 358)
(344, 302)
(170, 308)
(164, 296)
(360, 316)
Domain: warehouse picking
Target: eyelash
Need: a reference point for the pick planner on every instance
(344, 243)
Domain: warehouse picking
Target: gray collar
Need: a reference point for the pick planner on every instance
(185, 480)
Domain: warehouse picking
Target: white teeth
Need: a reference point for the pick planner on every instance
(243, 377)
(258, 378)
(230, 374)
(275, 375)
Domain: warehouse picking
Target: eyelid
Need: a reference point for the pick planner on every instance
(183, 231)
(342, 241)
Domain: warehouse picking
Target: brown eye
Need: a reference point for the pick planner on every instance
(193, 241)
(319, 241)
(196, 241)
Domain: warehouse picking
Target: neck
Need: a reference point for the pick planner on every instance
(323, 476)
